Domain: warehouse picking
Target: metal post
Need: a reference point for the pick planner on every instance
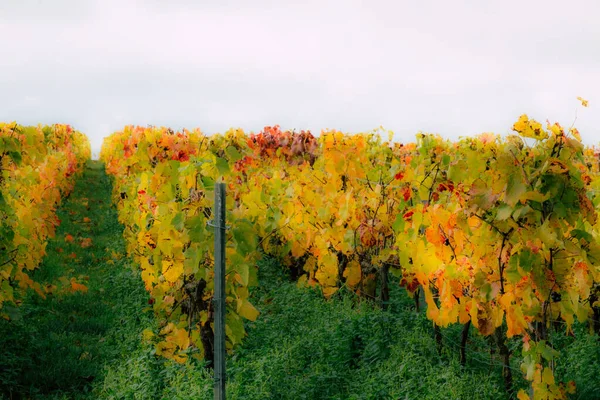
(219, 297)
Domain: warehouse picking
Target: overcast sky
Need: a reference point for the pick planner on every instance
(449, 67)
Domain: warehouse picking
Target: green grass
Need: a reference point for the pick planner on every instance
(89, 346)
(61, 346)
(303, 347)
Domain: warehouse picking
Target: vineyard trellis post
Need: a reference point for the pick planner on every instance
(219, 299)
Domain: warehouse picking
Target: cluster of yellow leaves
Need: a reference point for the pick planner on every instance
(335, 213)
(490, 252)
(164, 192)
(530, 128)
(38, 165)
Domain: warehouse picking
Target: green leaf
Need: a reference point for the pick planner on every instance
(593, 253)
(480, 279)
(548, 235)
(548, 353)
(446, 159)
(486, 290)
(234, 327)
(222, 166)
(245, 237)
(13, 313)
(233, 154)
(208, 183)
(193, 256)
(528, 260)
(244, 271)
(196, 228)
(535, 196)
(15, 156)
(581, 234)
(515, 188)
(504, 212)
(7, 291)
(512, 271)
(521, 211)
(178, 221)
(398, 224)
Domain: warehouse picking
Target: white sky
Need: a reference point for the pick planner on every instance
(450, 67)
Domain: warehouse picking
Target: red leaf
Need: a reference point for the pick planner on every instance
(406, 193)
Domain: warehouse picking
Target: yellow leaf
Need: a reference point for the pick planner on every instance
(180, 337)
(522, 395)
(583, 101)
(529, 128)
(297, 249)
(329, 291)
(246, 309)
(515, 321)
(165, 349)
(353, 273)
(521, 124)
(180, 358)
(463, 314)
(548, 376)
(556, 129)
(171, 271)
(147, 334)
(432, 309)
(328, 270)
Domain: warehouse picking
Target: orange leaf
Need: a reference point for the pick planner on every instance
(86, 219)
(78, 287)
(522, 395)
(69, 238)
(87, 242)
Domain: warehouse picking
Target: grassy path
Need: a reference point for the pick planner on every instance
(62, 347)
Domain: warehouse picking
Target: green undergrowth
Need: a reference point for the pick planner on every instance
(303, 347)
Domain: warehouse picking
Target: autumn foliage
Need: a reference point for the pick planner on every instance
(498, 232)
(38, 168)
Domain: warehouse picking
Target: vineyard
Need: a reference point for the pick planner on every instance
(39, 167)
(497, 235)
